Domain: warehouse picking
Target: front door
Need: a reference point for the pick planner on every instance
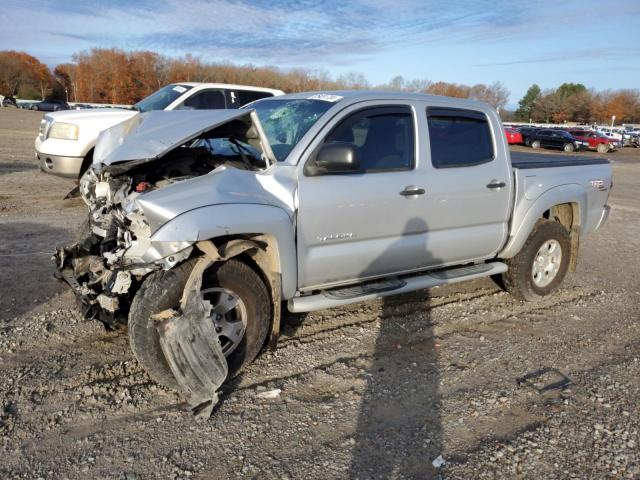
(366, 223)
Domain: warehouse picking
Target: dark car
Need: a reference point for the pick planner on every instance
(526, 133)
(548, 138)
(9, 102)
(50, 106)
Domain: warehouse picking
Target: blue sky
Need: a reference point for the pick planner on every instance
(475, 41)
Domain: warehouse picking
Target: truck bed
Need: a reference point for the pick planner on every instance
(525, 160)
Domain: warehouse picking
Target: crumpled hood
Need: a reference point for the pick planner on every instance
(151, 135)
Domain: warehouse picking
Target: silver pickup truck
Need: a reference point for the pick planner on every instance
(204, 224)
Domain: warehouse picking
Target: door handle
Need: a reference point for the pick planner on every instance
(496, 184)
(410, 191)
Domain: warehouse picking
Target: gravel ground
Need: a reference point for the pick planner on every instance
(374, 390)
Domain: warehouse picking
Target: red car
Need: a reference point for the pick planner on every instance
(513, 136)
(596, 142)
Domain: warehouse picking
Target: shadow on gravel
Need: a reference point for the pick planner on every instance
(398, 432)
(26, 271)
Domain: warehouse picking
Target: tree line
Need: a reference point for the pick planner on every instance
(111, 75)
(574, 102)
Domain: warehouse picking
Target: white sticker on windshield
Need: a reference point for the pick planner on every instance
(179, 89)
(325, 96)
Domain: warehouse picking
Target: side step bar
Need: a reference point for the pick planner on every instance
(383, 288)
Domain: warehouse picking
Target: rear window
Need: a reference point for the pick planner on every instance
(459, 138)
(248, 96)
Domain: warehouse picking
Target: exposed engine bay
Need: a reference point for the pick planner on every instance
(115, 251)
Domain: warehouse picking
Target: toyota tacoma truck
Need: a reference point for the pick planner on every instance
(203, 225)
(66, 140)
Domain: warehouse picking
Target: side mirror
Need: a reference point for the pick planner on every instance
(336, 157)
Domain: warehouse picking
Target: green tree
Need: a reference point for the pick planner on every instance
(527, 104)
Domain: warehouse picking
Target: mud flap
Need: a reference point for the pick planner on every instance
(191, 347)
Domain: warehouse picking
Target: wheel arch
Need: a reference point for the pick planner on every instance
(563, 204)
(221, 223)
(260, 252)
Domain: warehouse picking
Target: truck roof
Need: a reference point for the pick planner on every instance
(363, 95)
(230, 85)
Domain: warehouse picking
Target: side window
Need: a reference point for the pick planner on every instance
(383, 138)
(242, 97)
(204, 100)
(459, 138)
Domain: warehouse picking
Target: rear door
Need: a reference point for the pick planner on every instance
(545, 138)
(468, 187)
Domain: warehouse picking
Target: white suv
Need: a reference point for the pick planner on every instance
(64, 145)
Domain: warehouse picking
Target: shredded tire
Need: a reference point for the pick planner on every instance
(162, 290)
(518, 280)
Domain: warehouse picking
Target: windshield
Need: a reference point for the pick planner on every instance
(286, 121)
(162, 98)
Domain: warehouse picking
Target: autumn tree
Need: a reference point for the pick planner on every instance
(66, 74)
(20, 70)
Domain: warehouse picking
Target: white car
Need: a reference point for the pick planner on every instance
(64, 145)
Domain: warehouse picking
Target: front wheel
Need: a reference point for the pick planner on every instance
(535, 144)
(241, 313)
(603, 148)
(542, 263)
(569, 147)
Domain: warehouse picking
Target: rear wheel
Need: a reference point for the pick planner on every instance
(603, 148)
(569, 147)
(241, 313)
(542, 263)
(535, 144)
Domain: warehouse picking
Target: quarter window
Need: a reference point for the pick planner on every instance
(383, 138)
(459, 138)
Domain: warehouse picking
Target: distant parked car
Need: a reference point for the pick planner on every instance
(596, 141)
(526, 133)
(9, 102)
(548, 138)
(514, 137)
(50, 106)
(612, 133)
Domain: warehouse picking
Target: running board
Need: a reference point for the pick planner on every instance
(383, 288)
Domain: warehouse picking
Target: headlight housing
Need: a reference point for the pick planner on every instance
(63, 131)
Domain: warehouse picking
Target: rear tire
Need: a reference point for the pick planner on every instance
(532, 273)
(535, 144)
(162, 290)
(569, 147)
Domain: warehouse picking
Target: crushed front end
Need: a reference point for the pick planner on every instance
(114, 252)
